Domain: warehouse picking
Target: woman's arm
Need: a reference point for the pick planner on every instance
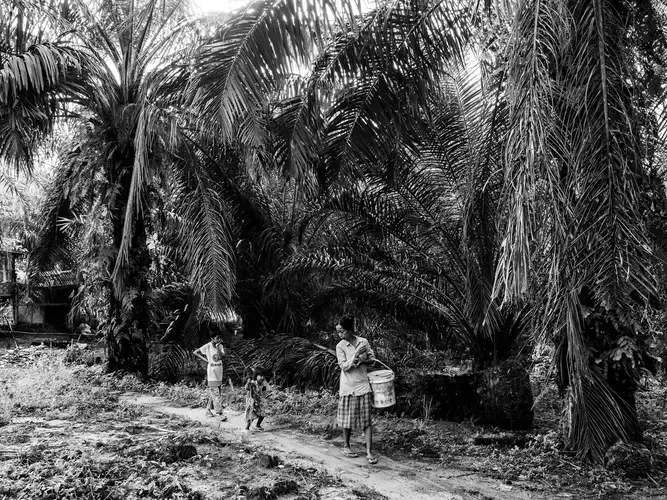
(344, 363)
(370, 355)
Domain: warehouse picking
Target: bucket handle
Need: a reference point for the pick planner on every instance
(378, 361)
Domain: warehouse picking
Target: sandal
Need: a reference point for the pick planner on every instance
(372, 459)
(349, 453)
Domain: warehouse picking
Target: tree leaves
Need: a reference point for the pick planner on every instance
(574, 176)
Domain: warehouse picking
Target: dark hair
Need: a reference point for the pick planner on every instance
(231, 327)
(214, 330)
(258, 370)
(347, 322)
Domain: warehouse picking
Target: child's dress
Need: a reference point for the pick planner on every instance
(253, 399)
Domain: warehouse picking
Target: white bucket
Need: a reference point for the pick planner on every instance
(382, 385)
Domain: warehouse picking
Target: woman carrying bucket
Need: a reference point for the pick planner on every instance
(354, 403)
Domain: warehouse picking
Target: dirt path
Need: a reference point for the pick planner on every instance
(407, 479)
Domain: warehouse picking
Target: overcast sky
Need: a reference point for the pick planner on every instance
(220, 5)
(227, 5)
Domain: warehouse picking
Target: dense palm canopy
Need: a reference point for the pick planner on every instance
(418, 228)
(571, 124)
(476, 166)
(38, 65)
(125, 148)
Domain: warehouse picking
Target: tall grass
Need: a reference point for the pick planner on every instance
(47, 384)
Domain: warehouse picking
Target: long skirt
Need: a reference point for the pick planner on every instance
(354, 412)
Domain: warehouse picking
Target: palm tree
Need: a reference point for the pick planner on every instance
(572, 213)
(263, 222)
(402, 146)
(575, 174)
(136, 102)
(416, 233)
(130, 147)
(38, 64)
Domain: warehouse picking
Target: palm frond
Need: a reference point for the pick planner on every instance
(37, 67)
(574, 150)
(206, 246)
(293, 360)
(540, 34)
(236, 69)
(182, 335)
(53, 244)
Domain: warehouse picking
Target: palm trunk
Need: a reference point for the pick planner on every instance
(614, 360)
(506, 396)
(128, 308)
(498, 396)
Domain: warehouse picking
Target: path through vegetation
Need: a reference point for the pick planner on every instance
(407, 479)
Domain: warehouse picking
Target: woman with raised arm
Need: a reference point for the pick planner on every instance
(354, 403)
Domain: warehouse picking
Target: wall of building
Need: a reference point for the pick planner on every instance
(31, 314)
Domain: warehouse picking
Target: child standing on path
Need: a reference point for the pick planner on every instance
(212, 353)
(253, 400)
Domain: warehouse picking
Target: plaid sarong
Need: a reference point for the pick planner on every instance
(354, 412)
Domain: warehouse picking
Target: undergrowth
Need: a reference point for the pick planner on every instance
(540, 462)
(50, 388)
(66, 435)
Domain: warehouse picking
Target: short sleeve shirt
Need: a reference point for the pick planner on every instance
(214, 356)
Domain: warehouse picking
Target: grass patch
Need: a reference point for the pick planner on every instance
(48, 386)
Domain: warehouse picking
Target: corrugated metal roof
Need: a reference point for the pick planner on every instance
(50, 279)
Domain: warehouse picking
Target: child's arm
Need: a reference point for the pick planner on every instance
(197, 354)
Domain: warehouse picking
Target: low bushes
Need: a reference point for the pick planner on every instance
(499, 396)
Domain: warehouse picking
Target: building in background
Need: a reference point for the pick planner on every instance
(43, 301)
(49, 300)
(8, 288)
